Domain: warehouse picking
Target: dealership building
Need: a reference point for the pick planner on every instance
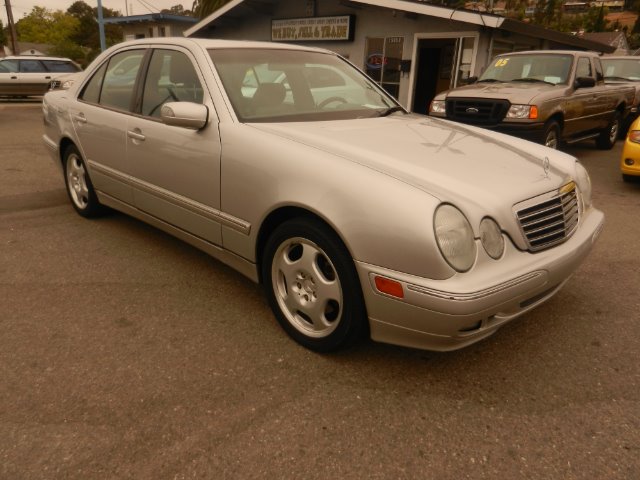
(412, 48)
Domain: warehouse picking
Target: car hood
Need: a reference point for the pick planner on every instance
(450, 161)
(516, 92)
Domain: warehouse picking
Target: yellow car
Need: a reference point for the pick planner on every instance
(630, 161)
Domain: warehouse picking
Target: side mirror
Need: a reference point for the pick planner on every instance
(185, 114)
(583, 82)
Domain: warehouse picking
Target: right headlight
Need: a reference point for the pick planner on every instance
(454, 236)
(438, 106)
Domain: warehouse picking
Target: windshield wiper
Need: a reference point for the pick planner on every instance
(531, 79)
(615, 77)
(489, 80)
(390, 110)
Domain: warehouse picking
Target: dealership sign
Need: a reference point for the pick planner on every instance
(313, 29)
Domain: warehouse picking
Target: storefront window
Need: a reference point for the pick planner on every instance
(383, 60)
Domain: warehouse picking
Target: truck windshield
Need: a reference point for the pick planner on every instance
(622, 69)
(547, 68)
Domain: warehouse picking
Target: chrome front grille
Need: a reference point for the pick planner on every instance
(549, 219)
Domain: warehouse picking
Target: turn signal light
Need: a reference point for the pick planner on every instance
(533, 112)
(390, 287)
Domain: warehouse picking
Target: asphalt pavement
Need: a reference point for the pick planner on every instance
(125, 353)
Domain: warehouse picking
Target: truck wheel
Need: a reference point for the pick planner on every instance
(552, 135)
(607, 138)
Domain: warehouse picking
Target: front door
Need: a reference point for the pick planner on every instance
(176, 170)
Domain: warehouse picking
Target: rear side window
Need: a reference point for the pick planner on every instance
(60, 66)
(8, 66)
(120, 79)
(32, 66)
(584, 68)
(91, 92)
(599, 74)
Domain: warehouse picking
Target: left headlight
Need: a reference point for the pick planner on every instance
(584, 184)
(491, 238)
(454, 236)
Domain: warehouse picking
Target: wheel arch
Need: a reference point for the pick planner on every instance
(64, 144)
(557, 117)
(276, 218)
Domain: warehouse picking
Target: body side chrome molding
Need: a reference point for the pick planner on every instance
(179, 200)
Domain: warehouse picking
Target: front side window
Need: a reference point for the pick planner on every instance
(289, 85)
(549, 68)
(171, 78)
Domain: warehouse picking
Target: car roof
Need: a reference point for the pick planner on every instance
(553, 52)
(621, 57)
(207, 43)
(35, 57)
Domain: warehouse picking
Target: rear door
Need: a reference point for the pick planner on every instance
(33, 78)
(8, 76)
(100, 118)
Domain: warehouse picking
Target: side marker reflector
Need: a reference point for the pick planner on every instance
(390, 287)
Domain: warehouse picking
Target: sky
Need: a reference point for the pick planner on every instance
(23, 7)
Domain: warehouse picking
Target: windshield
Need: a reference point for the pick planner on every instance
(267, 85)
(547, 68)
(621, 69)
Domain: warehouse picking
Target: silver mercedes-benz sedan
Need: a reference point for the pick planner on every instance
(293, 167)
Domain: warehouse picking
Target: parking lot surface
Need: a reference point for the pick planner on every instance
(126, 353)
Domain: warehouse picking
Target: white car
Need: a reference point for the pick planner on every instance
(292, 166)
(31, 75)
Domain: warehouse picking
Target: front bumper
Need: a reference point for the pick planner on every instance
(453, 313)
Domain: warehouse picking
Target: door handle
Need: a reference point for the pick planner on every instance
(48, 78)
(80, 118)
(135, 135)
(14, 78)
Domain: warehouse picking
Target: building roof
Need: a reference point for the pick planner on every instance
(152, 17)
(238, 9)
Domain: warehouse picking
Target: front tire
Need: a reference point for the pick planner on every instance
(79, 187)
(552, 135)
(609, 135)
(312, 285)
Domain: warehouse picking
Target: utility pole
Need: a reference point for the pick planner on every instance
(103, 44)
(12, 28)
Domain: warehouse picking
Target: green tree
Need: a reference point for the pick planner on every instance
(203, 8)
(87, 33)
(176, 10)
(42, 25)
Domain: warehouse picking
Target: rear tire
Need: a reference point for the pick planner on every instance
(609, 135)
(79, 187)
